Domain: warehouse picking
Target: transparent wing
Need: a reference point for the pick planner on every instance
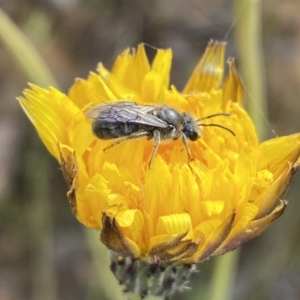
(125, 112)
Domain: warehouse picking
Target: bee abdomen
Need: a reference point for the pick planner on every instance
(111, 131)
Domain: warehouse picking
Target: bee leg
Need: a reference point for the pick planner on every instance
(156, 137)
(184, 140)
(129, 137)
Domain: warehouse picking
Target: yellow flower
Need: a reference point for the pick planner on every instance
(177, 210)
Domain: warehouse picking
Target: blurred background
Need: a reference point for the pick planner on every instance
(44, 252)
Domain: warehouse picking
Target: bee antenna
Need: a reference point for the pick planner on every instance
(215, 115)
(218, 125)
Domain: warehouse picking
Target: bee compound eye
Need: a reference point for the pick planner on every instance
(193, 136)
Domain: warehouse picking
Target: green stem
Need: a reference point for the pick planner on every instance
(39, 220)
(251, 58)
(224, 275)
(249, 46)
(24, 53)
(110, 287)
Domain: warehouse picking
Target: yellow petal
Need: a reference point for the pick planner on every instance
(254, 229)
(51, 112)
(173, 224)
(266, 200)
(132, 222)
(233, 88)
(215, 239)
(162, 65)
(152, 88)
(208, 73)
(274, 154)
(130, 69)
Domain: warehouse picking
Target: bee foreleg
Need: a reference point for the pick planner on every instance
(129, 137)
(156, 137)
(184, 140)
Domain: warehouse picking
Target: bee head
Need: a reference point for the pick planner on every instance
(190, 127)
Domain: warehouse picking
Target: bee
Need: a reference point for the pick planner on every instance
(126, 120)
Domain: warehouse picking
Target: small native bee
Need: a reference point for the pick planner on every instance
(127, 120)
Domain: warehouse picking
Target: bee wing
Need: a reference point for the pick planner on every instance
(96, 110)
(125, 112)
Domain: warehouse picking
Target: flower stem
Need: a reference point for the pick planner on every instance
(24, 52)
(250, 52)
(110, 288)
(249, 47)
(224, 275)
(39, 223)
